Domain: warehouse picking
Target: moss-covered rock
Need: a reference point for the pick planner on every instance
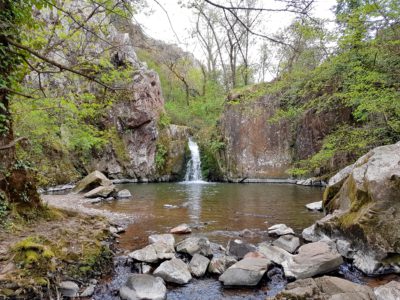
(365, 201)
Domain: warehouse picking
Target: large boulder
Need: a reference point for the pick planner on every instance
(313, 259)
(101, 191)
(91, 181)
(247, 272)
(273, 253)
(143, 286)
(163, 238)
(193, 245)
(326, 287)
(174, 270)
(363, 200)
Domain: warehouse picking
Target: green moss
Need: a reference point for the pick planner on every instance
(118, 146)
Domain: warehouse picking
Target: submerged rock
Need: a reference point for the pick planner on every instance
(193, 245)
(143, 286)
(239, 248)
(313, 259)
(198, 265)
(68, 289)
(124, 194)
(182, 228)
(280, 229)
(91, 181)
(163, 238)
(174, 270)
(247, 272)
(326, 287)
(287, 242)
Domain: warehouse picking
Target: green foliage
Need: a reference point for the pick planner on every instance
(161, 156)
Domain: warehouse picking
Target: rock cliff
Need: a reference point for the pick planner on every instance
(259, 146)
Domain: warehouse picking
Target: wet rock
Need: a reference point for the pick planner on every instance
(181, 229)
(344, 248)
(198, 265)
(311, 182)
(164, 238)
(287, 242)
(239, 248)
(273, 253)
(91, 181)
(101, 191)
(124, 194)
(389, 291)
(247, 233)
(314, 206)
(326, 287)
(143, 286)
(247, 272)
(89, 291)
(68, 289)
(280, 229)
(174, 270)
(116, 230)
(313, 259)
(193, 245)
(153, 253)
(219, 264)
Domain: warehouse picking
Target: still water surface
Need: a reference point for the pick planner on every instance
(218, 210)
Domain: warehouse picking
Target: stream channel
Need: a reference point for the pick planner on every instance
(220, 211)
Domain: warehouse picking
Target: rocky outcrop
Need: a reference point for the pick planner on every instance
(257, 145)
(363, 200)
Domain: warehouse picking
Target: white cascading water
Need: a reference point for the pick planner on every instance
(193, 169)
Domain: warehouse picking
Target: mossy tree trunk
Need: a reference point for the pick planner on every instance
(17, 184)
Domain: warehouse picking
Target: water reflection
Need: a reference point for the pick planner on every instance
(194, 201)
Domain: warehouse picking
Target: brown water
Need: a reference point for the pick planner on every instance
(218, 210)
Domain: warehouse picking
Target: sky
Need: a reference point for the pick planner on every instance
(155, 22)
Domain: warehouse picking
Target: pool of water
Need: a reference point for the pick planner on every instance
(218, 210)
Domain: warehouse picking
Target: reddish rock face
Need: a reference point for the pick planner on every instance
(256, 148)
(259, 148)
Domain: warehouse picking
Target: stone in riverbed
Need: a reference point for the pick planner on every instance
(164, 238)
(326, 287)
(143, 286)
(273, 253)
(68, 289)
(280, 229)
(124, 194)
(239, 248)
(153, 253)
(193, 245)
(287, 242)
(92, 181)
(174, 270)
(314, 206)
(181, 229)
(219, 264)
(198, 265)
(247, 272)
(101, 191)
(389, 291)
(89, 291)
(313, 259)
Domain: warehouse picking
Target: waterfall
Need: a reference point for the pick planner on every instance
(193, 169)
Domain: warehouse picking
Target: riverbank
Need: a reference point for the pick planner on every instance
(63, 250)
